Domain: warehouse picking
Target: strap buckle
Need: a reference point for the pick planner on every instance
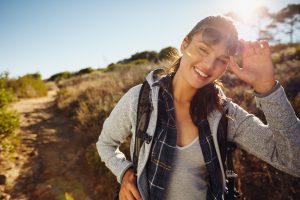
(231, 174)
(145, 137)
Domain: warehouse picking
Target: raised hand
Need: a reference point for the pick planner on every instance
(257, 68)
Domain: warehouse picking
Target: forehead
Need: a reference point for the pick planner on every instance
(219, 48)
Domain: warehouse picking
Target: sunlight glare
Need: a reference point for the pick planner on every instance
(246, 9)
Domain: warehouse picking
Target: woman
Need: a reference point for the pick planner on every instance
(180, 162)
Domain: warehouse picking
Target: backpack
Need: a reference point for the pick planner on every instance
(144, 110)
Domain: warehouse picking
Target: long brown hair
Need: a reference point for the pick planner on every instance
(209, 97)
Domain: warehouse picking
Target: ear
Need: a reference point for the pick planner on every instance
(184, 44)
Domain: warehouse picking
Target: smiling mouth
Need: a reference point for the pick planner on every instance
(200, 73)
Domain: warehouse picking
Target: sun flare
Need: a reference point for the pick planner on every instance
(246, 9)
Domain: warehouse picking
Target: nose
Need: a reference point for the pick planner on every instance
(208, 63)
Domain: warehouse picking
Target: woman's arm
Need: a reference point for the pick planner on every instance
(116, 128)
(278, 142)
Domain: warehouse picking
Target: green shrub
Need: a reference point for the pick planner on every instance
(9, 122)
(84, 71)
(114, 67)
(28, 86)
(167, 53)
(59, 76)
(8, 145)
(5, 97)
(151, 56)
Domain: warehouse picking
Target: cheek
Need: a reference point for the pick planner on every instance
(220, 70)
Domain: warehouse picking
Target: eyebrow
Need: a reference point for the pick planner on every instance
(226, 57)
(208, 46)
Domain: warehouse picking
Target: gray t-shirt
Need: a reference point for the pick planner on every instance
(189, 176)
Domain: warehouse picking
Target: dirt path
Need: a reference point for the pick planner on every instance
(46, 165)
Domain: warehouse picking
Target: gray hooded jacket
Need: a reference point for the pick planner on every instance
(277, 142)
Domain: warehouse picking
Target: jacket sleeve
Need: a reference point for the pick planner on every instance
(278, 141)
(116, 128)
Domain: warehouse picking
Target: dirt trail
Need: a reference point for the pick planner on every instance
(47, 164)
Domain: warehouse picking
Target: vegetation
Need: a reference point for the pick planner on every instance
(140, 58)
(27, 86)
(59, 76)
(167, 53)
(151, 56)
(9, 120)
(65, 75)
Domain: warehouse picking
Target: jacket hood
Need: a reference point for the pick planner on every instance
(152, 77)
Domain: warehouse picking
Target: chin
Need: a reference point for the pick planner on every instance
(196, 84)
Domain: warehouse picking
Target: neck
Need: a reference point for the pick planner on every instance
(183, 92)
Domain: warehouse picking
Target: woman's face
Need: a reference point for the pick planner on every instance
(201, 63)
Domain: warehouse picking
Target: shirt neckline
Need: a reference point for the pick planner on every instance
(188, 145)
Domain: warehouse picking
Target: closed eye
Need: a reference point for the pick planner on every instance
(223, 61)
(203, 50)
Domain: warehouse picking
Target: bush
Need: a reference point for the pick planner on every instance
(8, 145)
(167, 53)
(119, 66)
(9, 122)
(59, 76)
(5, 97)
(151, 56)
(28, 86)
(84, 71)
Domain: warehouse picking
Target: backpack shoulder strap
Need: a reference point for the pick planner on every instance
(227, 149)
(143, 115)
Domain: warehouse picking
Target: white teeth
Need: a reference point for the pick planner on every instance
(200, 73)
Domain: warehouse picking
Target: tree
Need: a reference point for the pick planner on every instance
(290, 18)
(151, 56)
(167, 53)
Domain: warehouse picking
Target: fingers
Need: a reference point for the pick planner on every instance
(265, 46)
(249, 48)
(129, 190)
(234, 67)
(129, 193)
(258, 48)
(129, 196)
(135, 192)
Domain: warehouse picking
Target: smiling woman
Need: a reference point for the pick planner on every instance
(187, 104)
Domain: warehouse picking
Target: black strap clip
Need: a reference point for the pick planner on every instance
(145, 137)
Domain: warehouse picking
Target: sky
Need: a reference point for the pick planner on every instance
(52, 36)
